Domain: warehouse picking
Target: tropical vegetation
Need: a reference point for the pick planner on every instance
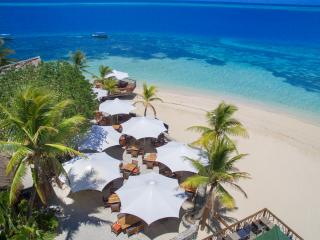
(78, 59)
(15, 225)
(222, 124)
(217, 175)
(103, 72)
(38, 133)
(147, 97)
(4, 53)
(110, 84)
(59, 76)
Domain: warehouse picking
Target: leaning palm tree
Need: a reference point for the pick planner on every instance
(4, 52)
(110, 84)
(221, 125)
(148, 95)
(78, 59)
(218, 173)
(37, 132)
(103, 71)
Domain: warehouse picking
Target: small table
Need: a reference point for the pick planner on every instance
(129, 167)
(113, 198)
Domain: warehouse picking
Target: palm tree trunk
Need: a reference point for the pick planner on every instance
(31, 201)
(145, 111)
(207, 208)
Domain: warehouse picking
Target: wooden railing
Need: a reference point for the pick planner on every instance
(31, 61)
(252, 218)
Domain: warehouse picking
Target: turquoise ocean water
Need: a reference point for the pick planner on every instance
(259, 53)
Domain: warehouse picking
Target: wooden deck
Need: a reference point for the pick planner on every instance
(262, 214)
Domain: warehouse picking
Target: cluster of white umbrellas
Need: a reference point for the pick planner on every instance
(148, 196)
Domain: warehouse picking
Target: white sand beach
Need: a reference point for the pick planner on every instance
(284, 157)
(283, 160)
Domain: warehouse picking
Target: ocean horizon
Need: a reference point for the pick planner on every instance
(263, 55)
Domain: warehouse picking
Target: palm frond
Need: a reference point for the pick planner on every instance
(196, 180)
(225, 197)
(20, 155)
(65, 150)
(17, 181)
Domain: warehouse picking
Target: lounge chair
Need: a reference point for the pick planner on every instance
(244, 234)
(136, 171)
(116, 228)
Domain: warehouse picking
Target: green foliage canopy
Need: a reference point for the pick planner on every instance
(60, 77)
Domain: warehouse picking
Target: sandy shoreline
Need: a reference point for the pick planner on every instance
(284, 156)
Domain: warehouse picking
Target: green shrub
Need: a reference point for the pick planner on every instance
(59, 76)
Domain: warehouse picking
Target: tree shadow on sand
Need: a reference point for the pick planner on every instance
(80, 212)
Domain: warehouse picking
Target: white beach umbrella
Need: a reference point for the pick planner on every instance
(174, 154)
(94, 171)
(143, 127)
(100, 92)
(118, 75)
(116, 106)
(99, 138)
(151, 197)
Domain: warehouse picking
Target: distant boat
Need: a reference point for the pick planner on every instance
(99, 35)
(6, 36)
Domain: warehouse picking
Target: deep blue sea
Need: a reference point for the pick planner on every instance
(261, 53)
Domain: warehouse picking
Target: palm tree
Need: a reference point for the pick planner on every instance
(221, 125)
(103, 71)
(218, 173)
(110, 84)
(37, 131)
(148, 95)
(4, 52)
(78, 59)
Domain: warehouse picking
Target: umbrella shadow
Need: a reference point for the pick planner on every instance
(82, 211)
(115, 152)
(164, 226)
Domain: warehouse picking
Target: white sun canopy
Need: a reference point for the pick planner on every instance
(143, 127)
(92, 172)
(118, 75)
(174, 154)
(151, 197)
(99, 138)
(116, 106)
(100, 92)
